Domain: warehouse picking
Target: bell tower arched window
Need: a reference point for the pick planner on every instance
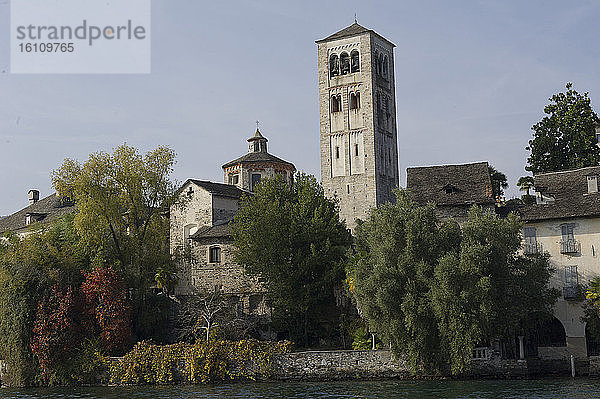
(354, 61)
(345, 63)
(355, 100)
(334, 65)
(336, 103)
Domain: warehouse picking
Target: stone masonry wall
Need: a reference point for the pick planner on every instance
(338, 365)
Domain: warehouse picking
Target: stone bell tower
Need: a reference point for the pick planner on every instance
(357, 105)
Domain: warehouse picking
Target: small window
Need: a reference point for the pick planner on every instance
(355, 100)
(336, 103)
(592, 182)
(214, 255)
(355, 149)
(255, 180)
(348, 188)
(354, 61)
(256, 146)
(337, 152)
(567, 232)
(234, 178)
(27, 220)
(344, 63)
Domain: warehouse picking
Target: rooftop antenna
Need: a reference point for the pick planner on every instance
(355, 19)
(257, 122)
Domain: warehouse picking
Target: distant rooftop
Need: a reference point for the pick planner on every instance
(42, 212)
(463, 184)
(569, 191)
(222, 189)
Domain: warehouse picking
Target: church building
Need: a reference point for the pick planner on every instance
(199, 228)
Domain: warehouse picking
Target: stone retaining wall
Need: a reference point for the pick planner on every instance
(337, 365)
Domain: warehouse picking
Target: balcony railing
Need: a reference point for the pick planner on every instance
(481, 353)
(570, 292)
(530, 248)
(569, 247)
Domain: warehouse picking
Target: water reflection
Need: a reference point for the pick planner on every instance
(542, 389)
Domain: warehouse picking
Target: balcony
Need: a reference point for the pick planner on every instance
(530, 248)
(569, 247)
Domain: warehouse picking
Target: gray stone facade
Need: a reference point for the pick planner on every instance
(357, 106)
(199, 228)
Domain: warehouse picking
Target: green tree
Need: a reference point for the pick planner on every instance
(486, 290)
(434, 291)
(391, 275)
(525, 184)
(291, 235)
(121, 202)
(499, 182)
(565, 138)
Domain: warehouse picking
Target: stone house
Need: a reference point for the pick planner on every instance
(565, 223)
(39, 213)
(199, 228)
(452, 188)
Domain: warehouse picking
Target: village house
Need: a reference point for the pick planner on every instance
(452, 188)
(200, 228)
(38, 214)
(565, 223)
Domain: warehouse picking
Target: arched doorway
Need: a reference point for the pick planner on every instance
(546, 331)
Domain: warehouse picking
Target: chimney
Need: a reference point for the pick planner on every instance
(34, 196)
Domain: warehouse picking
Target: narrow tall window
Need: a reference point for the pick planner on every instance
(356, 149)
(334, 65)
(529, 235)
(568, 244)
(344, 63)
(255, 180)
(214, 255)
(592, 182)
(571, 277)
(354, 61)
(336, 103)
(353, 103)
(256, 146)
(337, 152)
(385, 67)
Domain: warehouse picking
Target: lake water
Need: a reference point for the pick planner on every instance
(542, 389)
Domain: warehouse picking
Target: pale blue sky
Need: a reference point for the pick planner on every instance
(471, 79)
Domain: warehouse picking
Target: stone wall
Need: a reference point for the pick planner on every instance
(594, 367)
(338, 365)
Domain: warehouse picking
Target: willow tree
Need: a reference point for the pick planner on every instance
(434, 290)
(122, 199)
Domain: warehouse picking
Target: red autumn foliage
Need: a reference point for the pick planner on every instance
(104, 294)
(57, 329)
